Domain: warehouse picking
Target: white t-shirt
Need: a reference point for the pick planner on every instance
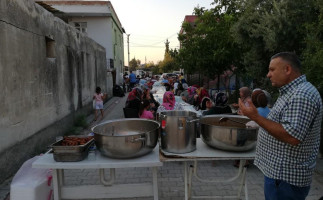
(98, 97)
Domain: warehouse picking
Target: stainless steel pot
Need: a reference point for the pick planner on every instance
(178, 131)
(228, 135)
(126, 138)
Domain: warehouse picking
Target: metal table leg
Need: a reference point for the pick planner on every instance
(192, 171)
(185, 180)
(57, 184)
(155, 183)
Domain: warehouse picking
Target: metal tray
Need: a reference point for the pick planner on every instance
(71, 153)
(70, 157)
(58, 148)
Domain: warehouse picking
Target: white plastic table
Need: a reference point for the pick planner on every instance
(204, 152)
(107, 189)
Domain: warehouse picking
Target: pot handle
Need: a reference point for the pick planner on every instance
(138, 140)
(141, 139)
(160, 115)
(190, 121)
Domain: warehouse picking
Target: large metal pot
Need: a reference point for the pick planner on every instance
(228, 135)
(178, 131)
(126, 138)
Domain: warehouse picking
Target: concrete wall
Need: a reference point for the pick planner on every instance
(98, 28)
(105, 31)
(103, 26)
(41, 96)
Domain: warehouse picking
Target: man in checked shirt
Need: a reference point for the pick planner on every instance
(288, 140)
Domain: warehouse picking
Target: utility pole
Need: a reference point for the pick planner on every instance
(128, 51)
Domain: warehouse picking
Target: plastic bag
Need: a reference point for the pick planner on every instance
(31, 184)
(94, 103)
(252, 124)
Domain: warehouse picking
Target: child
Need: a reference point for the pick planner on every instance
(144, 110)
(98, 97)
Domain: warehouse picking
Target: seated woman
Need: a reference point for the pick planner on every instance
(245, 96)
(192, 97)
(144, 110)
(169, 103)
(260, 101)
(150, 97)
(220, 105)
(201, 94)
(206, 104)
(134, 99)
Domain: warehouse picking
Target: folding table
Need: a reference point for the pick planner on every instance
(204, 152)
(107, 189)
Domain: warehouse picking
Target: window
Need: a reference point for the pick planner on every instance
(111, 63)
(81, 26)
(50, 47)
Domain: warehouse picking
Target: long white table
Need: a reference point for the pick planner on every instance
(187, 107)
(107, 189)
(204, 152)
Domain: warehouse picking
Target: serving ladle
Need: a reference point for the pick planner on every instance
(224, 119)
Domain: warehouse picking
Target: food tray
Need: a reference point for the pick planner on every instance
(70, 157)
(58, 148)
(71, 153)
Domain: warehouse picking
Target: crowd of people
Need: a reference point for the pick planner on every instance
(289, 132)
(198, 97)
(142, 92)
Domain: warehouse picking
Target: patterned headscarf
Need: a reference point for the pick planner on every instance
(221, 99)
(135, 93)
(191, 91)
(169, 100)
(203, 93)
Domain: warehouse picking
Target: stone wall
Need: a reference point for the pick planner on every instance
(48, 75)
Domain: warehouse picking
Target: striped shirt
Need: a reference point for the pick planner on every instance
(299, 110)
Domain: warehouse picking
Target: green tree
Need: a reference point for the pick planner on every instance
(209, 47)
(313, 53)
(168, 64)
(173, 53)
(134, 64)
(267, 27)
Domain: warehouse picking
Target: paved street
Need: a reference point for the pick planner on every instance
(170, 175)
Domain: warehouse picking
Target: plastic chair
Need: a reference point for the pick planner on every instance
(130, 113)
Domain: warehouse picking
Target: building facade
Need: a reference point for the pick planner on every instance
(48, 78)
(99, 21)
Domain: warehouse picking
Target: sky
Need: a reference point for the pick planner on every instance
(150, 23)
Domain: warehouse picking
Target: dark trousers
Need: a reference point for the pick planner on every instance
(281, 190)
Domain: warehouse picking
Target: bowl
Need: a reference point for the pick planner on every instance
(126, 138)
(227, 134)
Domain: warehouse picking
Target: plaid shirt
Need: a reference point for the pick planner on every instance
(299, 110)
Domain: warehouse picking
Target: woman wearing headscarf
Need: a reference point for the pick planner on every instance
(201, 94)
(147, 95)
(134, 99)
(169, 103)
(220, 107)
(192, 96)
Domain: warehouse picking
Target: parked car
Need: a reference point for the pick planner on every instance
(169, 75)
(177, 73)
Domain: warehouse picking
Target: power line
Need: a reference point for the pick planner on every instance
(153, 46)
(148, 45)
(163, 40)
(155, 43)
(134, 35)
